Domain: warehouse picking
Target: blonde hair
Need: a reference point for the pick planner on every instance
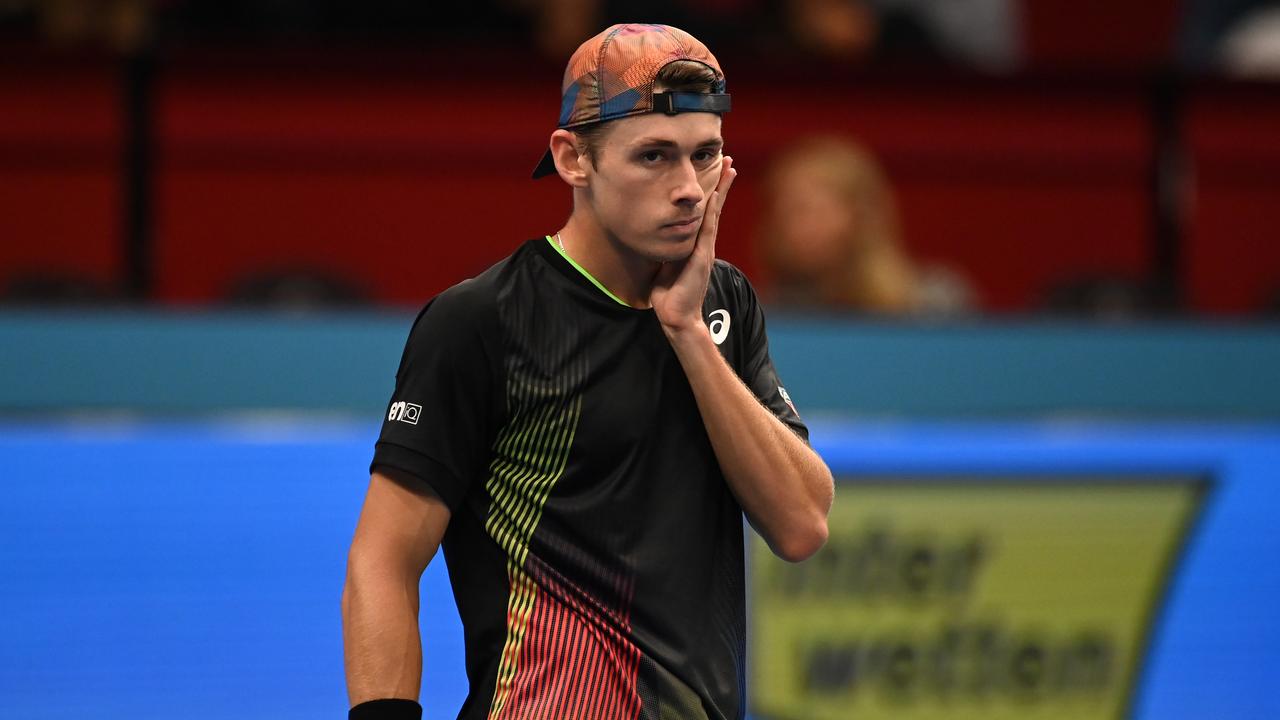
(873, 272)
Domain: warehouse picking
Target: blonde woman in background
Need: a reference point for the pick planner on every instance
(830, 237)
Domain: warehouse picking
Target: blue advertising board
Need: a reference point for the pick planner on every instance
(152, 567)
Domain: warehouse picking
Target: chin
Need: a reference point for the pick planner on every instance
(668, 251)
(661, 249)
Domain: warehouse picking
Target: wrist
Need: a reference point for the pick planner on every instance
(687, 332)
(386, 709)
(693, 345)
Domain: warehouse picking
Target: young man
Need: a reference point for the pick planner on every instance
(582, 427)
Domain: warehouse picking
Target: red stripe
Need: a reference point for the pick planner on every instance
(573, 664)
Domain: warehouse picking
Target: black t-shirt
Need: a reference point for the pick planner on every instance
(595, 550)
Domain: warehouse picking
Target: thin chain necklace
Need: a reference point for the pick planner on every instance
(561, 242)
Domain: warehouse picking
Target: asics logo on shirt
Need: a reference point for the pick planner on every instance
(404, 412)
(719, 327)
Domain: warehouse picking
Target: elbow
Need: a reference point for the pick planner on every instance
(803, 543)
(808, 536)
(808, 533)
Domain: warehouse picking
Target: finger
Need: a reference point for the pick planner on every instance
(727, 174)
(706, 242)
(717, 202)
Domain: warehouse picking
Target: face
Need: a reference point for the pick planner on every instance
(813, 225)
(651, 181)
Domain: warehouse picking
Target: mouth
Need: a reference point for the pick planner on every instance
(683, 224)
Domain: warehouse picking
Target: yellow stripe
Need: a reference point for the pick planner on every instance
(530, 456)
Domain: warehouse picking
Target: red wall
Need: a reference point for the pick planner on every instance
(1107, 34)
(60, 153)
(1233, 239)
(385, 172)
(405, 185)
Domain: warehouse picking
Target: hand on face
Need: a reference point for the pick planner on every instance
(681, 286)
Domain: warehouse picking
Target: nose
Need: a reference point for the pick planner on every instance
(686, 189)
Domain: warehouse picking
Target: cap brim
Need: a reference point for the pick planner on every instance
(547, 166)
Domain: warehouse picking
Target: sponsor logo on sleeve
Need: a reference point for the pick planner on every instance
(405, 412)
(787, 397)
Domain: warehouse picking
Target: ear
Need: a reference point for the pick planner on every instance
(573, 166)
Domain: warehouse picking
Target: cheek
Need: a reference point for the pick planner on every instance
(709, 178)
(621, 203)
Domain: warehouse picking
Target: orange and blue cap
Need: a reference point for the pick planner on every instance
(611, 76)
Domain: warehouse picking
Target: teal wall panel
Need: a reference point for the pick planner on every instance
(193, 362)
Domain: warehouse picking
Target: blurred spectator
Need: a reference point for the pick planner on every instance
(119, 25)
(409, 23)
(979, 33)
(830, 238)
(296, 289)
(1109, 298)
(1252, 46)
(1271, 306)
(1238, 37)
(984, 34)
(837, 29)
(561, 25)
(49, 288)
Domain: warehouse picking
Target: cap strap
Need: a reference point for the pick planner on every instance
(678, 102)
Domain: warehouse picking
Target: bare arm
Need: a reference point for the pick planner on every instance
(399, 530)
(783, 486)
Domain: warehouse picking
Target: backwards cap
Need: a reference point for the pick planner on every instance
(611, 76)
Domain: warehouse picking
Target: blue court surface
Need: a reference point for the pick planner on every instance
(194, 569)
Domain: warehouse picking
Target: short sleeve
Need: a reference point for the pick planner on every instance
(756, 367)
(441, 419)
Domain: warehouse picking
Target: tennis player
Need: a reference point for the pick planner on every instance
(582, 427)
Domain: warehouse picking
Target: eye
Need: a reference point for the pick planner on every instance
(651, 156)
(705, 156)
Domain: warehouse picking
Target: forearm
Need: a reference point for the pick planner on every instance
(782, 484)
(382, 646)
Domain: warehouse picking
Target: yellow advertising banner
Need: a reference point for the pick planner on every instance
(968, 598)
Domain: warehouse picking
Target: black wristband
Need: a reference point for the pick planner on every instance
(388, 709)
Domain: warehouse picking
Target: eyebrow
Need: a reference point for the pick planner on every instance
(663, 142)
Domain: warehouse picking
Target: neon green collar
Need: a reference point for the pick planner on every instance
(585, 274)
